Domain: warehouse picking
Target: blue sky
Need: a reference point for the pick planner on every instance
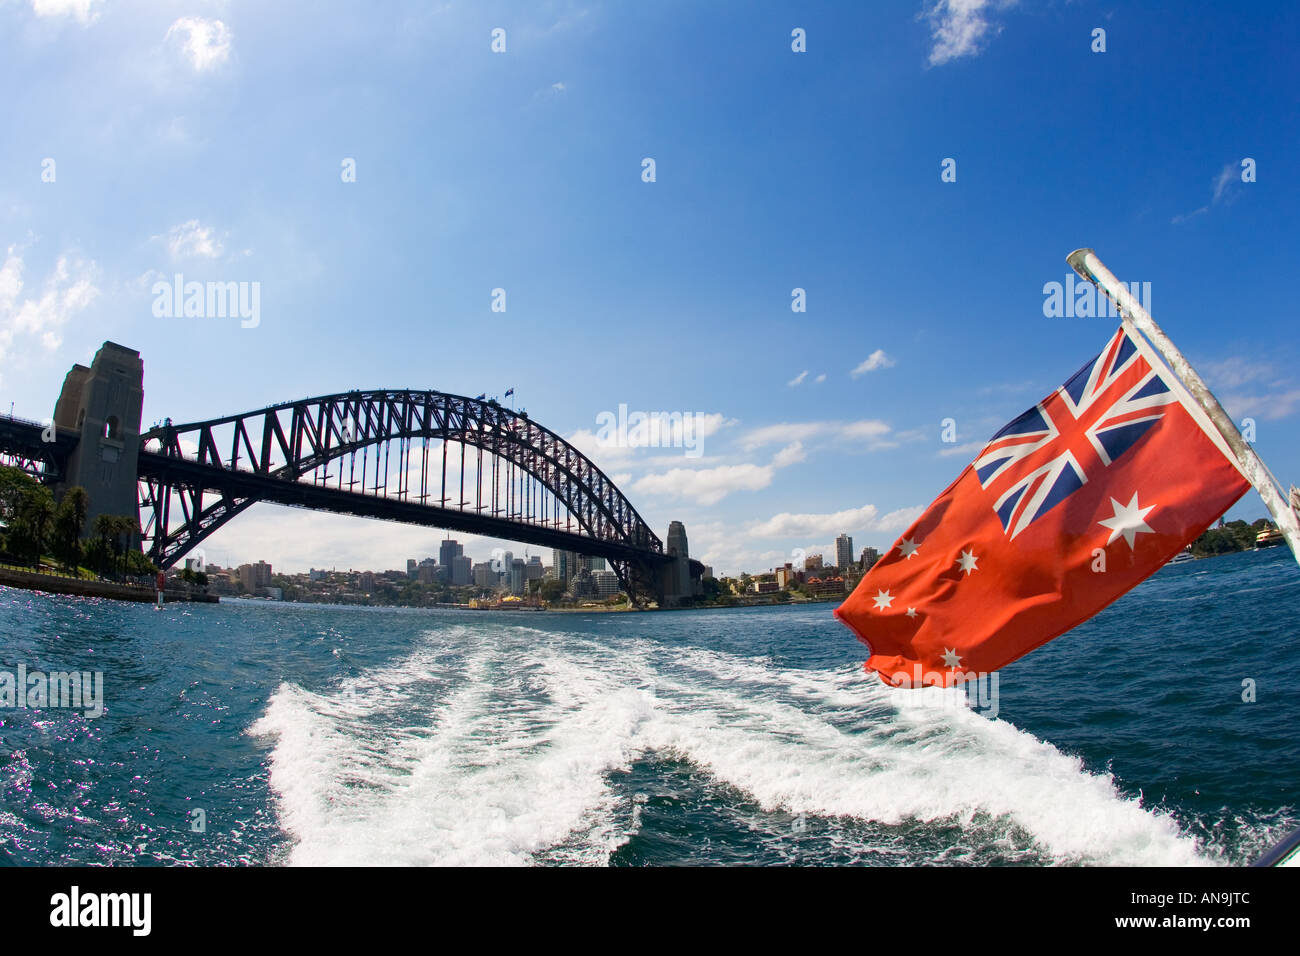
(208, 138)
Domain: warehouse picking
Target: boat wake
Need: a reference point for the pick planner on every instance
(513, 746)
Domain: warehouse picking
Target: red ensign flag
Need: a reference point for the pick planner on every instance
(1065, 509)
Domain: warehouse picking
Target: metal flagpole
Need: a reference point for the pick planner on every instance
(1087, 265)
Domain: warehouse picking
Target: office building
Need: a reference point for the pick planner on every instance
(843, 552)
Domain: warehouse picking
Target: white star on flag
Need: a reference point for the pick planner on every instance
(883, 599)
(951, 658)
(1127, 521)
(908, 547)
(911, 612)
(967, 561)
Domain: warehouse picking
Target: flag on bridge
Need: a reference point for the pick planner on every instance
(1065, 509)
(509, 392)
(480, 396)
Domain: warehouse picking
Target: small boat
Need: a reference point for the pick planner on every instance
(1268, 538)
(1181, 556)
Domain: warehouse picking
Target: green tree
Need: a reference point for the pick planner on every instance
(29, 530)
(15, 485)
(135, 562)
(17, 490)
(110, 544)
(69, 522)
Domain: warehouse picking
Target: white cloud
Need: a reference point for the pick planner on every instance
(708, 486)
(1235, 371)
(1183, 217)
(1269, 405)
(558, 87)
(876, 360)
(867, 430)
(68, 290)
(673, 437)
(820, 378)
(789, 455)
(958, 27)
(1227, 176)
(851, 520)
(798, 379)
(970, 448)
(1249, 387)
(83, 11)
(192, 239)
(205, 42)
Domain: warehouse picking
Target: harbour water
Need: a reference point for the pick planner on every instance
(332, 735)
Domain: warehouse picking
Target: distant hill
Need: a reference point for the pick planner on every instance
(1233, 536)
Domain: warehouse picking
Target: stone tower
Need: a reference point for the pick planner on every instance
(102, 404)
(675, 580)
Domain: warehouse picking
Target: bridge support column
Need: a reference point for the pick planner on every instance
(676, 586)
(102, 404)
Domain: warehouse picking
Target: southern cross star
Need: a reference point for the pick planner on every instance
(908, 547)
(883, 600)
(1127, 522)
(951, 658)
(967, 561)
(911, 612)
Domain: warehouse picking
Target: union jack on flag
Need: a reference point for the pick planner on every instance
(1065, 509)
(1047, 454)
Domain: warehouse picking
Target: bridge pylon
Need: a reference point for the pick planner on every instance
(102, 405)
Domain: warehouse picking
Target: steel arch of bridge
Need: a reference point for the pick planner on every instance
(541, 489)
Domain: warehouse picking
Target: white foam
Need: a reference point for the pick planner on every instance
(495, 745)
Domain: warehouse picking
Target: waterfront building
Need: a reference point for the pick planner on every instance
(255, 577)
(843, 551)
(606, 583)
(460, 570)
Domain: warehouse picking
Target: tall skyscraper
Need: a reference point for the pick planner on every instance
(449, 549)
(460, 570)
(566, 565)
(448, 552)
(843, 551)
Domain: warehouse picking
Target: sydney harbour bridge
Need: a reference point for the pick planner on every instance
(419, 457)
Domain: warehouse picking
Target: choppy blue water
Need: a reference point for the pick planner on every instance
(322, 735)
